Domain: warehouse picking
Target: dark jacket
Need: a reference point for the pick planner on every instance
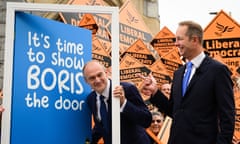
(205, 115)
(134, 118)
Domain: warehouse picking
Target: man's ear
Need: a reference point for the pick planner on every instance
(85, 79)
(195, 38)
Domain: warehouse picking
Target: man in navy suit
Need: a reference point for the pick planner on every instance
(135, 116)
(205, 113)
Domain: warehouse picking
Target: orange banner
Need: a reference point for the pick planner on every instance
(222, 42)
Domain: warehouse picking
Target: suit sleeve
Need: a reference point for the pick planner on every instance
(226, 105)
(136, 110)
(162, 103)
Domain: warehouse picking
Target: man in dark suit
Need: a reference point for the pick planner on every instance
(135, 116)
(205, 113)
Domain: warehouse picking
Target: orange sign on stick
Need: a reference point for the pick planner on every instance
(160, 73)
(164, 41)
(172, 61)
(139, 51)
(101, 20)
(222, 37)
(132, 27)
(222, 42)
(88, 22)
(100, 54)
(130, 68)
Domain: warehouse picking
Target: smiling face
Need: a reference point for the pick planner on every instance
(189, 37)
(165, 89)
(157, 121)
(95, 75)
(184, 43)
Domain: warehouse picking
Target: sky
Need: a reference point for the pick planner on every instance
(171, 12)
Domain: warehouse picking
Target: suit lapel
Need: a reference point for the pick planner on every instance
(178, 77)
(198, 73)
(95, 106)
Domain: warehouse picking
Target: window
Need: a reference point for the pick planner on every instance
(151, 8)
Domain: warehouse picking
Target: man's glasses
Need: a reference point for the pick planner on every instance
(158, 121)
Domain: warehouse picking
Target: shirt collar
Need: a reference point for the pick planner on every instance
(198, 59)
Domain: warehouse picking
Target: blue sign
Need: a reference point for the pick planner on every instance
(48, 88)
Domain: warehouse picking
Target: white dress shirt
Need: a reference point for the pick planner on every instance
(106, 97)
(196, 63)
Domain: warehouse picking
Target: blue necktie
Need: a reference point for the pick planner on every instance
(104, 115)
(186, 77)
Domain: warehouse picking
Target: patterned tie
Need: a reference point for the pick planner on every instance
(186, 77)
(103, 112)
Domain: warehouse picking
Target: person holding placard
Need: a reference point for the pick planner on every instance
(155, 127)
(135, 116)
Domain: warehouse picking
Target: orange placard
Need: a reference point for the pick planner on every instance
(164, 41)
(172, 61)
(139, 51)
(132, 27)
(88, 22)
(222, 42)
(101, 20)
(222, 37)
(87, 2)
(130, 68)
(160, 73)
(99, 53)
(153, 136)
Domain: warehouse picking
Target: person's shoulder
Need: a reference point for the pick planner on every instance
(91, 95)
(215, 62)
(217, 65)
(127, 84)
(180, 68)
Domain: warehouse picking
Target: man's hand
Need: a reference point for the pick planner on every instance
(119, 92)
(149, 86)
(1, 108)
